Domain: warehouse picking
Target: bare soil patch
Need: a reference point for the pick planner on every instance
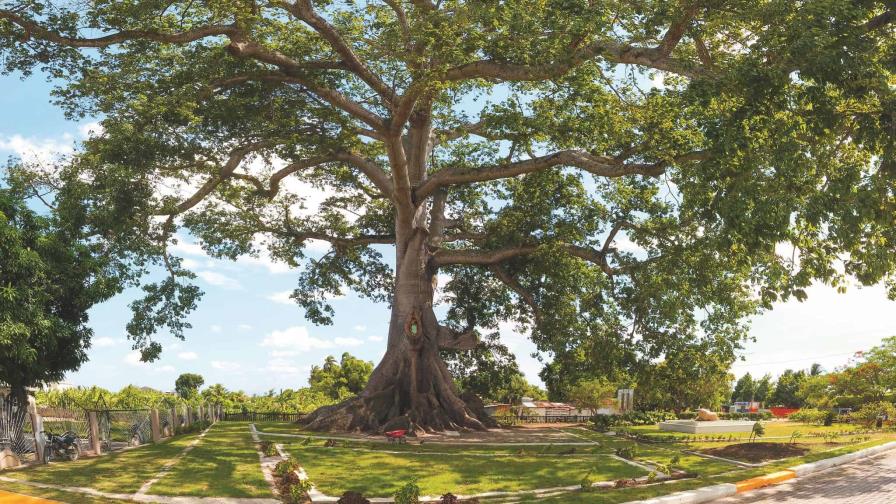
(758, 452)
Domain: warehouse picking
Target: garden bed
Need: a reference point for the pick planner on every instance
(758, 452)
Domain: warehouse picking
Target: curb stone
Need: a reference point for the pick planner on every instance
(713, 492)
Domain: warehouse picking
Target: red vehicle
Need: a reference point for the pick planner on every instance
(397, 436)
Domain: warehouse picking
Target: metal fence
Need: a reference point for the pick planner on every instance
(15, 428)
(121, 428)
(254, 416)
(67, 418)
(544, 418)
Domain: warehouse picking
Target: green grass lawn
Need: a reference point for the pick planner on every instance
(121, 472)
(773, 429)
(224, 464)
(377, 474)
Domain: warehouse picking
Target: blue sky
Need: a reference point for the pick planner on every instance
(248, 335)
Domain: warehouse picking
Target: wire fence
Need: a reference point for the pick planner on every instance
(122, 428)
(15, 428)
(115, 428)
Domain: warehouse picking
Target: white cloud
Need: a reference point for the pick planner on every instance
(360, 328)
(348, 342)
(190, 264)
(91, 129)
(133, 358)
(187, 356)
(105, 342)
(44, 151)
(282, 297)
(244, 327)
(185, 247)
(225, 365)
(375, 338)
(216, 328)
(283, 353)
(164, 369)
(284, 367)
(295, 337)
(219, 280)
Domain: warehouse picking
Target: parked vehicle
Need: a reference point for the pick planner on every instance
(62, 447)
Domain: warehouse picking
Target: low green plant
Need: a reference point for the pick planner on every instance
(306, 441)
(408, 494)
(794, 436)
(586, 480)
(757, 432)
(298, 492)
(627, 452)
(285, 467)
(268, 448)
(651, 476)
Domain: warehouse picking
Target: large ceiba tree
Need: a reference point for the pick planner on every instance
(628, 179)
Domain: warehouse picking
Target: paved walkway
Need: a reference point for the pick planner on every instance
(868, 481)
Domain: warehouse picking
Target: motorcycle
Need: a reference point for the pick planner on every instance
(64, 447)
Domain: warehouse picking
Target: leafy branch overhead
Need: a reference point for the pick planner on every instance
(626, 175)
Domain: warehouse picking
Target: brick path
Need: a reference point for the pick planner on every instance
(869, 481)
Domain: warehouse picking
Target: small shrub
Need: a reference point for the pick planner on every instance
(352, 498)
(651, 476)
(298, 492)
(809, 415)
(585, 483)
(449, 498)
(627, 452)
(268, 448)
(868, 414)
(408, 494)
(285, 467)
(306, 441)
(794, 436)
(757, 432)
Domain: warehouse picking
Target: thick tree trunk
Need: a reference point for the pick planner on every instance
(411, 387)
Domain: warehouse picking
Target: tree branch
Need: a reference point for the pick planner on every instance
(598, 165)
(511, 282)
(291, 76)
(304, 10)
(235, 158)
(493, 257)
(336, 241)
(449, 339)
(34, 29)
(651, 57)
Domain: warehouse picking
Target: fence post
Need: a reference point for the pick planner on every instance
(93, 430)
(37, 428)
(175, 421)
(154, 426)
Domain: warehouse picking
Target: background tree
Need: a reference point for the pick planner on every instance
(340, 380)
(491, 372)
(744, 389)
(187, 385)
(773, 125)
(763, 388)
(593, 394)
(786, 392)
(688, 378)
(51, 274)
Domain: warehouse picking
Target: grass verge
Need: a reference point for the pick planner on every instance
(224, 464)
